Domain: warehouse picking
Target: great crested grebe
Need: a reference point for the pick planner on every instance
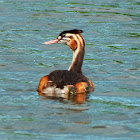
(71, 80)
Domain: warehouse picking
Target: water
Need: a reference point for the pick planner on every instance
(112, 32)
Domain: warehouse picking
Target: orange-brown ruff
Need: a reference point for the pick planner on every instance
(72, 80)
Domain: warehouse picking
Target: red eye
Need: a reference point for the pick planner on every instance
(71, 37)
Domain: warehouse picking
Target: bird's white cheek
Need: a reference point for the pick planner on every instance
(65, 41)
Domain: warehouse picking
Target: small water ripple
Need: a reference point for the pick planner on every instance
(132, 102)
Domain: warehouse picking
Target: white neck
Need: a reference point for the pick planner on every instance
(78, 56)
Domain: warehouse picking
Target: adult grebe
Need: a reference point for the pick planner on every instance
(71, 80)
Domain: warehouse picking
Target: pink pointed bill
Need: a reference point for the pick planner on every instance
(51, 42)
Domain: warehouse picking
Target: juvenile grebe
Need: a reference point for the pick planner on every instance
(71, 80)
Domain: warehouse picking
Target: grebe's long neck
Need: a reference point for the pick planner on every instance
(78, 54)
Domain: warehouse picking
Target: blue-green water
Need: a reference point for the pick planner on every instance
(112, 61)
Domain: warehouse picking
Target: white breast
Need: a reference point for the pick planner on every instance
(53, 91)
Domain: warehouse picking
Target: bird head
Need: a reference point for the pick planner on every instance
(72, 38)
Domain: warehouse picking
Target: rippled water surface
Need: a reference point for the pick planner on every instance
(112, 61)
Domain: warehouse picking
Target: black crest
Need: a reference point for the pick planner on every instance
(74, 31)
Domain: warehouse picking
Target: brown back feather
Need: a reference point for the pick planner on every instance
(64, 77)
